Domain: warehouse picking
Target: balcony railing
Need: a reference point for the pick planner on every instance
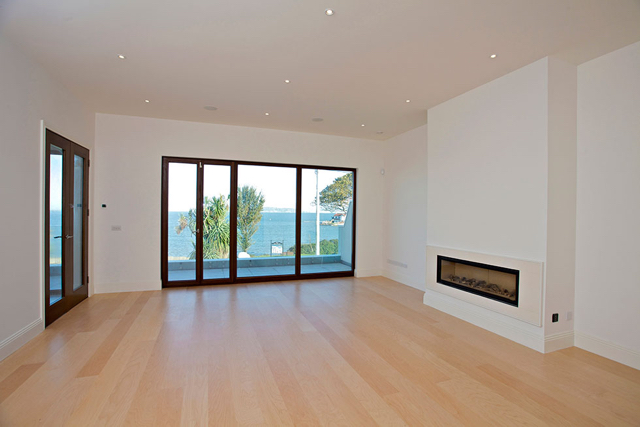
(211, 264)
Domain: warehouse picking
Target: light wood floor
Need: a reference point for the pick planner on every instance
(353, 352)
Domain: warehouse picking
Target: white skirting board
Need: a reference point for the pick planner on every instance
(608, 349)
(404, 279)
(522, 335)
(515, 330)
(109, 288)
(367, 273)
(20, 338)
(558, 341)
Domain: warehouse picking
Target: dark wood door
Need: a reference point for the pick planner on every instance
(66, 220)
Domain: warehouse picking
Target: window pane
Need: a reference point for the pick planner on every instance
(55, 224)
(215, 219)
(182, 226)
(266, 220)
(327, 221)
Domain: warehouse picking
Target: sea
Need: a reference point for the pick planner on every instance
(274, 227)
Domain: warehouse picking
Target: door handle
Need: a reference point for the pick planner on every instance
(57, 237)
(68, 237)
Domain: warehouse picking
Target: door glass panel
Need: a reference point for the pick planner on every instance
(327, 221)
(183, 186)
(266, 221)
(56, 238)
(78, 217)
(215, 221)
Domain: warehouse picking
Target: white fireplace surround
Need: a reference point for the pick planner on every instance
(529, 308)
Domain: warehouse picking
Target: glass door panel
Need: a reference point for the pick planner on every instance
(266, 221)
(78, 221)
(182, 221)
(56, 238)
(327, 221)
(216, 230)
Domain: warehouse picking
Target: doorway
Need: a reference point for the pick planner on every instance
(66, 222)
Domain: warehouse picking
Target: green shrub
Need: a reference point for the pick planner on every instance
(327, 247)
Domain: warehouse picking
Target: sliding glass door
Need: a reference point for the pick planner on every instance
(216, 224)
(327, 221)
(182, 229)
(196, 231)
(227, 221)
(266, 221)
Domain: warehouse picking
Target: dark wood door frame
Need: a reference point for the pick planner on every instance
(70, 298)
(164, 246)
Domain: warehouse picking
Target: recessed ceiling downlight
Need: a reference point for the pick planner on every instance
(493, 56)
(408, 100)
(317, 119)
(121, 56)
(210, 108)
(266, 114)
(287, 81)
(329, 12)
(147, 101)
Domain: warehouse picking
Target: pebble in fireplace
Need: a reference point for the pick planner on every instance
(483, 285)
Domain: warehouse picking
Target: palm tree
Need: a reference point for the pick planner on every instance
(250, 204)
(215, 228)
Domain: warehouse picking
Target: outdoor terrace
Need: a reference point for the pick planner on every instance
(258, 267)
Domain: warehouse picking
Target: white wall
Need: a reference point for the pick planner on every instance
(27, 96)
(561, 200)
(128, 180)
(405, 208)
(487, 174)
(607, 318)
(487, 167)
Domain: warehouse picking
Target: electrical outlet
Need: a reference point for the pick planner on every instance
(569, 315)
(554, 317)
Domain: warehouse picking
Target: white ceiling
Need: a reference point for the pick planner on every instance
(355, 67)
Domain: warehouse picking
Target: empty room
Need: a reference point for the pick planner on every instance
(357, 213)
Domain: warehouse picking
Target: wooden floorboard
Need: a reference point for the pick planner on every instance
(352, 352)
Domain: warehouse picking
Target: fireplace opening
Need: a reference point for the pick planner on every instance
(489, 281)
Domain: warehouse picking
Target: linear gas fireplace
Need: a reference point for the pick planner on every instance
(489, 281)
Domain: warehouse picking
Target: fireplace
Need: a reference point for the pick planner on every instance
(489, 281)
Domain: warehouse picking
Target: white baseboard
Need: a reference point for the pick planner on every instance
(20, 338)
(405, 279)
(515, 330)
(109, 288)
(607, 349)
(558, 341)
(367, 273)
